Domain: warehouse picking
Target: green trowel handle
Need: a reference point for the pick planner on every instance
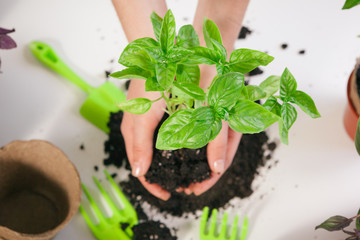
(47, 56)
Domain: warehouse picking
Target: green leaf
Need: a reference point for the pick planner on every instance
(225, 90)
(244, 60)
(188, 74)
(306, 103)
(270, 85)
(255, 92)
(187, 37)
(137, 58)
(288, 115)
(272, 105)
(151, 84)
(165, 74)
(136, 105)
(156, 53)
(188, 129)
(211, 31)
(192, 90)
(131, 72)
(202, 55)
(220, 49)
(357, 224)
(177, 54)
(283, 132)
(351, 3)
(335, 223)
(167, 33)
(156, 21)
(357, 137)
(250, 117)
(244, 95)
(288, 84)
(141, 44)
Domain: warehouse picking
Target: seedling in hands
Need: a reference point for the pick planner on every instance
(195, 114)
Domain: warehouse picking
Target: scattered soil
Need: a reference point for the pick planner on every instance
(301, 52)
(152, 230)
(127, 84)
(244, 32)
(256, 71)
(284, 46)
(82, 147)
(96, 168)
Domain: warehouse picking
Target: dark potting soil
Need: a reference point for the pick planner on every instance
(256, 71)
(357, 79)
(152, 230)
(244, 31)
(301, 52)
(236, 181)
(284, 46)
(115, 145)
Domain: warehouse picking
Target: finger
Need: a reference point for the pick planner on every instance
(200, 188)
(216, 151)
(232, 145)
(155, 189)
(142, 148)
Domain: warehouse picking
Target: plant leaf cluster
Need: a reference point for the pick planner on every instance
(6, 42)
(169, 64)
(339, 223)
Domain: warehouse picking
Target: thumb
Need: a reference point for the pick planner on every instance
(216, 151)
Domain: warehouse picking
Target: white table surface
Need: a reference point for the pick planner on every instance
(318, 174)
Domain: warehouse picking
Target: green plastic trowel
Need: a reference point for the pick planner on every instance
(101, 101)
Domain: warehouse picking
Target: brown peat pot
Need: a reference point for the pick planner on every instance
(39, 190)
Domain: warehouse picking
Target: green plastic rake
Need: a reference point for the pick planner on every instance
(210, 232)
(109, 228)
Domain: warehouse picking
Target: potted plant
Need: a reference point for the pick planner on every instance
(339, 223)
(169, 64)
(352, 110)
(352, 125)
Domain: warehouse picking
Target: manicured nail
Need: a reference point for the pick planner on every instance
(219, 166)
(136, 169)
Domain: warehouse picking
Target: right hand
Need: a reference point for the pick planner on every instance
(138, 133)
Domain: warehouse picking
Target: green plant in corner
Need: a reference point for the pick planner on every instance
(339, 223)
(350, 4)
(169, 64)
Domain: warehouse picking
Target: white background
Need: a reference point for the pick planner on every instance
(318, 173)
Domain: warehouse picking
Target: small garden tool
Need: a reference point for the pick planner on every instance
(119, 225)
(101, 100)
(210, 232)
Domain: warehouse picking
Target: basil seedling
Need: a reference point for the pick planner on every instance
(169, 64)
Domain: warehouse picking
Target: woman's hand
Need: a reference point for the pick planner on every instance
(138, 132)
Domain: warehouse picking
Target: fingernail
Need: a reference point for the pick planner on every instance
(136, 169)
(219, 166)
(187, 191)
